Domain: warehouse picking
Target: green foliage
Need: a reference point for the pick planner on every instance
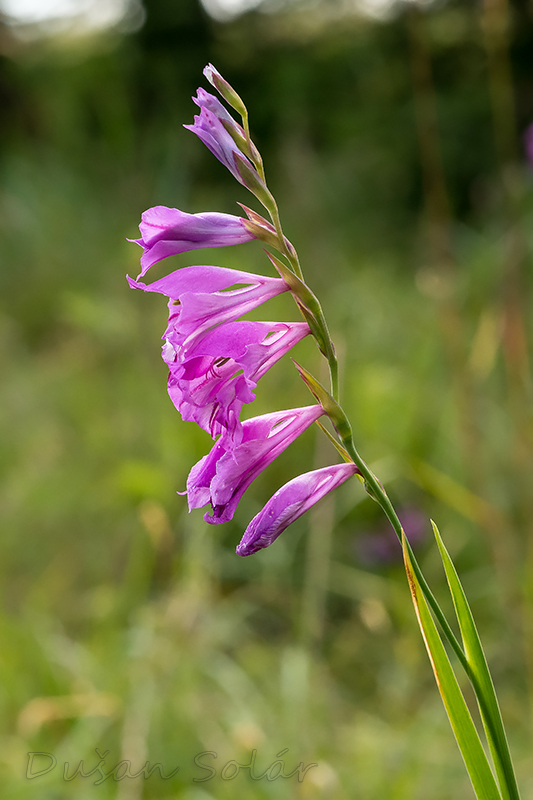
(463, 727)
(480, 676)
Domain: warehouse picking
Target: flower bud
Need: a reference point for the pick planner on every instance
(223, 87)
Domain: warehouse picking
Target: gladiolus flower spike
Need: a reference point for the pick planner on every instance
(215, 358)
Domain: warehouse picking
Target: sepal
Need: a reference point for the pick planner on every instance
(258, 227)
(254, 183)
(330, 406)
(245, 145)
(307, 303)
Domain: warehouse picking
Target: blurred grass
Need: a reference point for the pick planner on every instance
(132, 627)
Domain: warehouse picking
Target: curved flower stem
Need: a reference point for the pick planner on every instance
(302, 293)
(486, 698)
(257, 160)
(286, 249)
(375, 489)
(378, 493)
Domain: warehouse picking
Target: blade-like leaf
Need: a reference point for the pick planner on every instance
(481, 678)
(463, 727)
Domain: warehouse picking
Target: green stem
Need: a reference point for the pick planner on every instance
(334, 374)
(381, 497)
(494, 728)
(292, 257)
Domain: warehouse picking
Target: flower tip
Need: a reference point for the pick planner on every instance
(133, 283)
(252, 546)
(209, 71)
(224, 88)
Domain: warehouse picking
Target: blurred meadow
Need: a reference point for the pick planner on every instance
(392, 135)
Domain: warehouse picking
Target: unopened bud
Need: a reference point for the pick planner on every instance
(223, 87)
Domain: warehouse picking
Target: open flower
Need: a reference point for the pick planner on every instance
(169, 231)
(202, 297)
(289, 503)
(223, 475)
(211, 381)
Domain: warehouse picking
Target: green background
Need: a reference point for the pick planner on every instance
(394, 148)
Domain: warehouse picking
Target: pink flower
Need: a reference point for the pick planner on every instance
(289, 503)
(202, 297)
(223, 475)
(209, 382)
(169, 231)
(206, 100)
(213, 126)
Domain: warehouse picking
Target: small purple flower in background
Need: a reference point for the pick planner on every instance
(381, 546)
(528, 144)
(289, 503)
(202, 297)
(211, 382)
(169, 231)
(223, 475)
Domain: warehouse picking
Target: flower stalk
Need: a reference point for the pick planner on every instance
(215, 361)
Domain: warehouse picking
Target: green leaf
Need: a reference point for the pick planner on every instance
(481, 679)
(462, 724)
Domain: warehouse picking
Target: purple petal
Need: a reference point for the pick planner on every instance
(223, 476)
(206, 100)
(289, 503)
(213, 134)
(201, 297)
(169, 231)
(210, 381)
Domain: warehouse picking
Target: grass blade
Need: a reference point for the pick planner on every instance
(462, 724)
(481, 679)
